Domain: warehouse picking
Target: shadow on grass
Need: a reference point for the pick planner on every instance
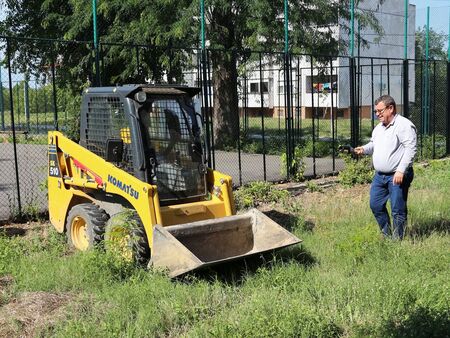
(12, 231)
(422, 322)
(288, 221)
(425, 229)
(236, 272)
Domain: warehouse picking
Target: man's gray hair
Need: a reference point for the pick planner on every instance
(387, 100)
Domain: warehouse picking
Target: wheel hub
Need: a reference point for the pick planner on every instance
(79, 235)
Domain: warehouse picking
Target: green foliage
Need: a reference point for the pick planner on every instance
(255, 193)
(31, 203)
(26, 139)
(360, 244)
(356, 171)
(298, 165)
(313, 187)
(10, 249)
(436, 41)
(429, 146)
(318, 148)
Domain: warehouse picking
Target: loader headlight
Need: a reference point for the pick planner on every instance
(140, 97)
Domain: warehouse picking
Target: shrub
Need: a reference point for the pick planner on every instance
(256, 193)
(356, 171)
(298, 165)
(425, 147)
(321, 148)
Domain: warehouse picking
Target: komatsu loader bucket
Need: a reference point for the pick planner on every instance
(186, 247)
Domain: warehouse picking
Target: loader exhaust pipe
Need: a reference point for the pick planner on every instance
(186, 247)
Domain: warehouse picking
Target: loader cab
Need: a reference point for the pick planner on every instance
(172, 142)
(152, 132)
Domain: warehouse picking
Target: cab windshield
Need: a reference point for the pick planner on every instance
(173, 140)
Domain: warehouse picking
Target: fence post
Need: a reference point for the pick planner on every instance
(354, 118)
(405, 88)
(26, 101)
(13, 128)
(313, 116)
(206, 106)
(55, 107)
(261, 93)
(448, 106)
(332, 117)
(288, 112)
(2, 106)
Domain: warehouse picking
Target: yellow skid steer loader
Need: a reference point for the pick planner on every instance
(137, 181)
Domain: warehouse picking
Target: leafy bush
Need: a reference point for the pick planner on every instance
(321, 148)
(425, 147)
(313, 187)
(298, 165)
(256, 193)
(356, 171)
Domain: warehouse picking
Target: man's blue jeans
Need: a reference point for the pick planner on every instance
(383, 189)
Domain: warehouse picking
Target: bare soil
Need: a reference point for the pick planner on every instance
(28, 313)
(31, 312)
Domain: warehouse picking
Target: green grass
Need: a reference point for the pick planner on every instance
(344, 280)
(275, 135)
(275, 126)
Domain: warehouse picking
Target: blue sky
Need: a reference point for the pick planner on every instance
(431, 3)
(439, 14)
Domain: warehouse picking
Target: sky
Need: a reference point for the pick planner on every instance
(431, 3)
(439, 14)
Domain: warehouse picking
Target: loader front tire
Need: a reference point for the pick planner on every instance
(85, 226)
(125, 236)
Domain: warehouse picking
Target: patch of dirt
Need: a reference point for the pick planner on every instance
(31, 312)
(5, 282)
(334, 192)
(322, 183)
(327, 188)
(25, 229)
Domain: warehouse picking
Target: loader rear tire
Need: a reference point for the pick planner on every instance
(125, 236)
(85, 226)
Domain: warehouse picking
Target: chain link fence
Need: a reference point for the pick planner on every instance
(281, 106)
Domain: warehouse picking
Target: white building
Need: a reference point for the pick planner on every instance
(379, 71)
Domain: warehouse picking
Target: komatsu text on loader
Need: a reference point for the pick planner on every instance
(140, 161)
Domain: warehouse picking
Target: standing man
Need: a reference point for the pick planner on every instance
(393, 146)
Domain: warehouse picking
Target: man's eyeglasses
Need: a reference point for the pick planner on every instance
(380, 111)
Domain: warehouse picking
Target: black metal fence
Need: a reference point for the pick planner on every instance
(281, 107)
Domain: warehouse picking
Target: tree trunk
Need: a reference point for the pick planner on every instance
(225, 104)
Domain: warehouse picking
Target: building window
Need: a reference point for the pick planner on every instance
(265, 87)
(254, 87)
(322, 84)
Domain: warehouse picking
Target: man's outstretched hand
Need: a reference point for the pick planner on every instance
(359, 151)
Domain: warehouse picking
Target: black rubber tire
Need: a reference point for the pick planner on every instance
(95, 220)
(137, 240)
